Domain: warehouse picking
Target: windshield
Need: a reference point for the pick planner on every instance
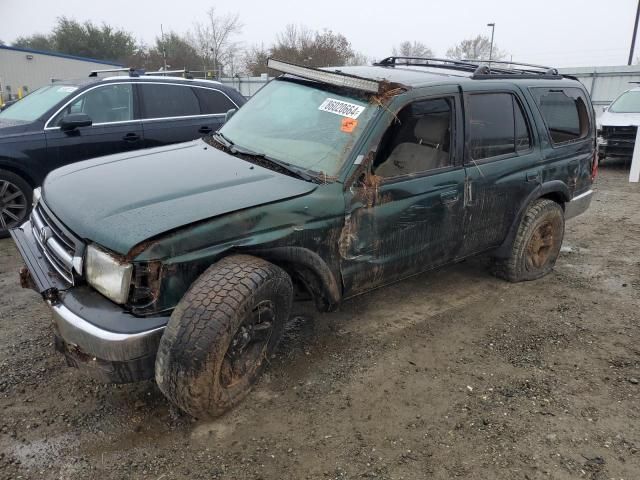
(36, 104)
(628, 102)
(302, 124)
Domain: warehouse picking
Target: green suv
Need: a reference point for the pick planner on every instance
(182, 262)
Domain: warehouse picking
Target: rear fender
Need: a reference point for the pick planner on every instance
(556, 190)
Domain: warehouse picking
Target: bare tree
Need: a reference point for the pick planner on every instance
(358, 58)
(299, 44)
(477, 48)
(255, 59)
(412, 49)
(213, 39)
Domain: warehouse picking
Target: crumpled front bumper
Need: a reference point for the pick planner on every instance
(95, 334)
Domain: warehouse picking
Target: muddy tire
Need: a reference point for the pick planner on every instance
(536, 246)
(221, 334)
(15, 201)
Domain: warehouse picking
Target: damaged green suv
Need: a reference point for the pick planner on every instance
(182, 262)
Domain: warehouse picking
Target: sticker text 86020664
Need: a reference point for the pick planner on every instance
(344, 109)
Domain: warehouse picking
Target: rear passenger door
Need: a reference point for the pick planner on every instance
(501, 164)
(567, 136)
(175, 113)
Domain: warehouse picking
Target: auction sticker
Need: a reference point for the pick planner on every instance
(348, 125)
(344, 109)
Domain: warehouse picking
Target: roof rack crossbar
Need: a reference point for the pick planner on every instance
(426, 61)
(509, 62)
(132, 71)
(480, 68)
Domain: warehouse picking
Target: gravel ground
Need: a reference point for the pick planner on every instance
(453, 374)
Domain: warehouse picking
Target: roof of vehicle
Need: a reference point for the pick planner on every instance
(416, 76)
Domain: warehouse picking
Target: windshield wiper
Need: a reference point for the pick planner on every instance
(221, 138)
(299, 172)
(234, 149)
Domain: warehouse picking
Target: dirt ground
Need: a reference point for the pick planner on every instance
(453, 374)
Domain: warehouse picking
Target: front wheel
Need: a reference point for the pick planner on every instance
(15, 201)
(220, 335)
(536, 246)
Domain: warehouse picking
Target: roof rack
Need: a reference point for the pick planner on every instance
(480, 69)
(132, 71)
(184, 72)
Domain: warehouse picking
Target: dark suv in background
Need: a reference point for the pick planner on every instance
(70, 121)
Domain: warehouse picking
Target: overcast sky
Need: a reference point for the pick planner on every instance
(552, 32)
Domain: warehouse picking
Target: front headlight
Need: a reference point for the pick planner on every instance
(37, 195)
(108, 275)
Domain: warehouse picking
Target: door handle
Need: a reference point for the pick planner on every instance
(205, 129)
(451, 196)
(131, 137)
(532, 177)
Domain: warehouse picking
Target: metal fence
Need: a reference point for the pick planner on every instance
(247, 86)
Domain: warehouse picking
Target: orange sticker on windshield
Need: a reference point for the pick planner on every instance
(348, 125)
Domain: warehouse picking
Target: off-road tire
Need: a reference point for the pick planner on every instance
(523, 263)
(204, 324)
(27, 191)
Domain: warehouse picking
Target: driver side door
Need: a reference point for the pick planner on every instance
(405, 214)
(115, 128)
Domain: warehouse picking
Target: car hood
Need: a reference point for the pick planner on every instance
(612, 119)
(121, 200)
(11, 127)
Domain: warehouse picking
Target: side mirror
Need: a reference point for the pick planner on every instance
(75, 120)
(604, 109)
(230, 113)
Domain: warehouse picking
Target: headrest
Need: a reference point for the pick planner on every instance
(432, 129)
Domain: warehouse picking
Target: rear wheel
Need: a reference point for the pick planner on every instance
(15, 201)
(219, 338)
(537, 244)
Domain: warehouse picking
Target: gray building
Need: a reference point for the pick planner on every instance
(24, 70)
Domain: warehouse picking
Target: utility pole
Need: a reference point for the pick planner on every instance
(635, 32)
(164, 49)
(493, 28)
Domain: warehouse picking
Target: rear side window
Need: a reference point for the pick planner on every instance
(213, 102)
(161, 101)
(497, 125)
(564, 112)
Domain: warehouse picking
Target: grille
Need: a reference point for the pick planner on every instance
(620, 133)
(58, 248)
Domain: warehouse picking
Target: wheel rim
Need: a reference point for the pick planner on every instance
(13, 205)
(248, 346)
(541, 245)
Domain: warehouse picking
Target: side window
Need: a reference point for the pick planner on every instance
(497, 125)
(564, 112)
(160, 101)
(110, 103)
(419, 139)
(213, 102)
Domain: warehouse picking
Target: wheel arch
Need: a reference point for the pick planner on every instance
(13, 167)
(306, 267)
(555, 190)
